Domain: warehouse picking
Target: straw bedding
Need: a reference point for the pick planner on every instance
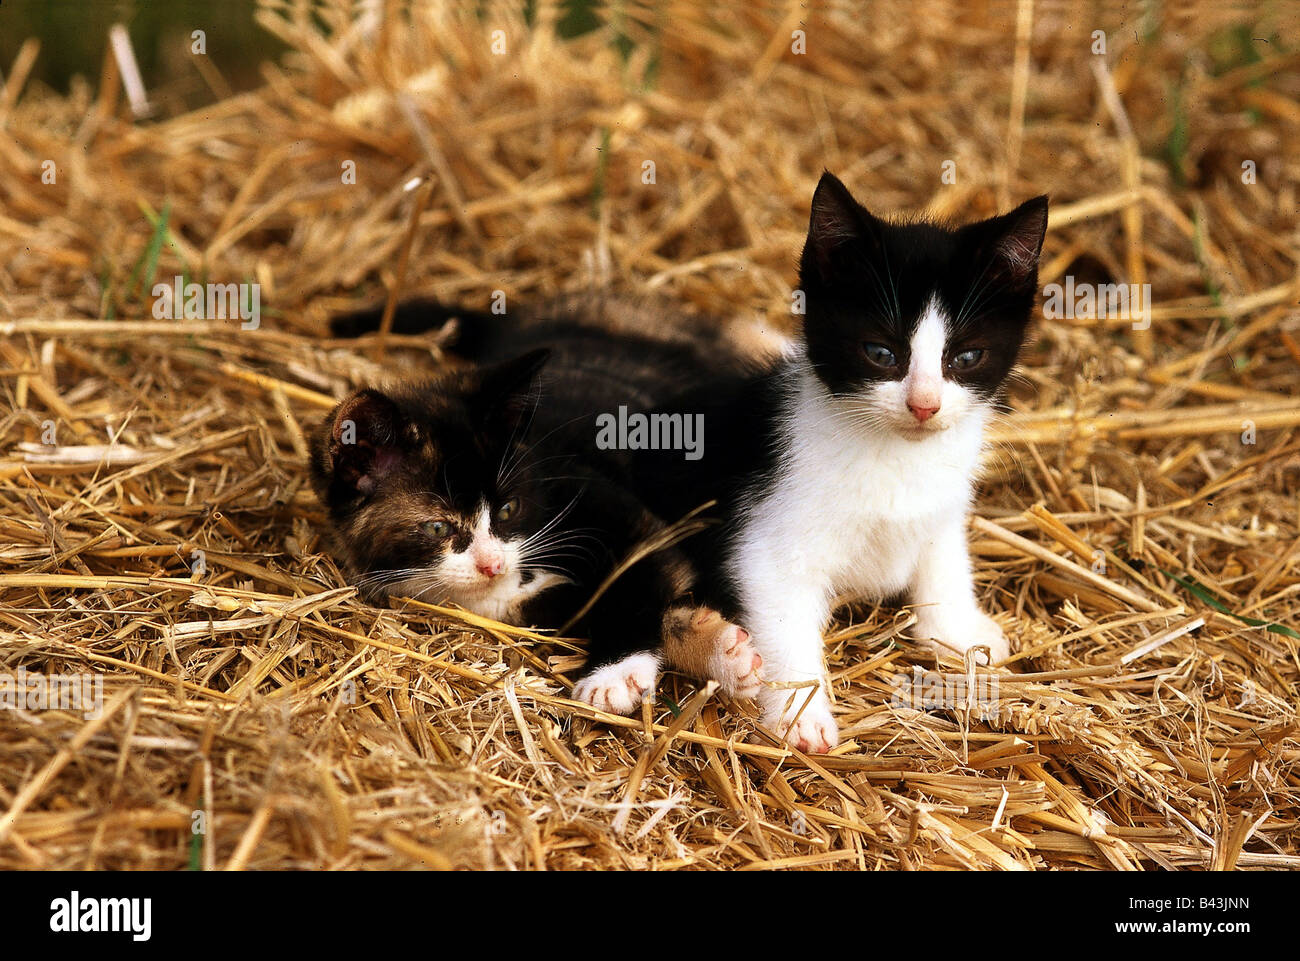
(1140, 544)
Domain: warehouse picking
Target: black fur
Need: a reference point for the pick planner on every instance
(434, 449)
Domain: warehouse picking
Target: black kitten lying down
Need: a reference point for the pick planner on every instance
(483, 486)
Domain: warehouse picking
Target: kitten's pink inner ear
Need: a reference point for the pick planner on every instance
(362, 440)
(364, 418)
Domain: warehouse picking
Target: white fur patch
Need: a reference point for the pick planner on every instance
(620, 687)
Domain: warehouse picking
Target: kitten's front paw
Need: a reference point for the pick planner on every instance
(815, 730)
(618, 688)
(739, 663)
(702, 643)
(954, 635)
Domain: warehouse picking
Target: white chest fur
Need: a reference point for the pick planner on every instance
(851, 508)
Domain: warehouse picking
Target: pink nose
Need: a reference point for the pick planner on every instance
(922, 414)
(489, 567)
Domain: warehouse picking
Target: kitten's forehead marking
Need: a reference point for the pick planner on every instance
(483, 535)
(922, 386)
(927, 344)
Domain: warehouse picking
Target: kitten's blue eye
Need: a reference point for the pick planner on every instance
(438, 529)
(880, 355)
(507, 509)
(966, 359)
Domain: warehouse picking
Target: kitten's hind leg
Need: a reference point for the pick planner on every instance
(619, 688)
(701, 642)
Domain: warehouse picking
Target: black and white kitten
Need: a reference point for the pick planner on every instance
(483, 486)
(849, 467)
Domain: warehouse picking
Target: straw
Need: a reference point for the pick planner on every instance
(1136, 530)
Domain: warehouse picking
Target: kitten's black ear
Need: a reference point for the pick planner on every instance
(836, 220)
(363, 440)
(509, 392)
(1014, 241)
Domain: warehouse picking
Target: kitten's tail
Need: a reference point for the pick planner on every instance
(476, 333)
